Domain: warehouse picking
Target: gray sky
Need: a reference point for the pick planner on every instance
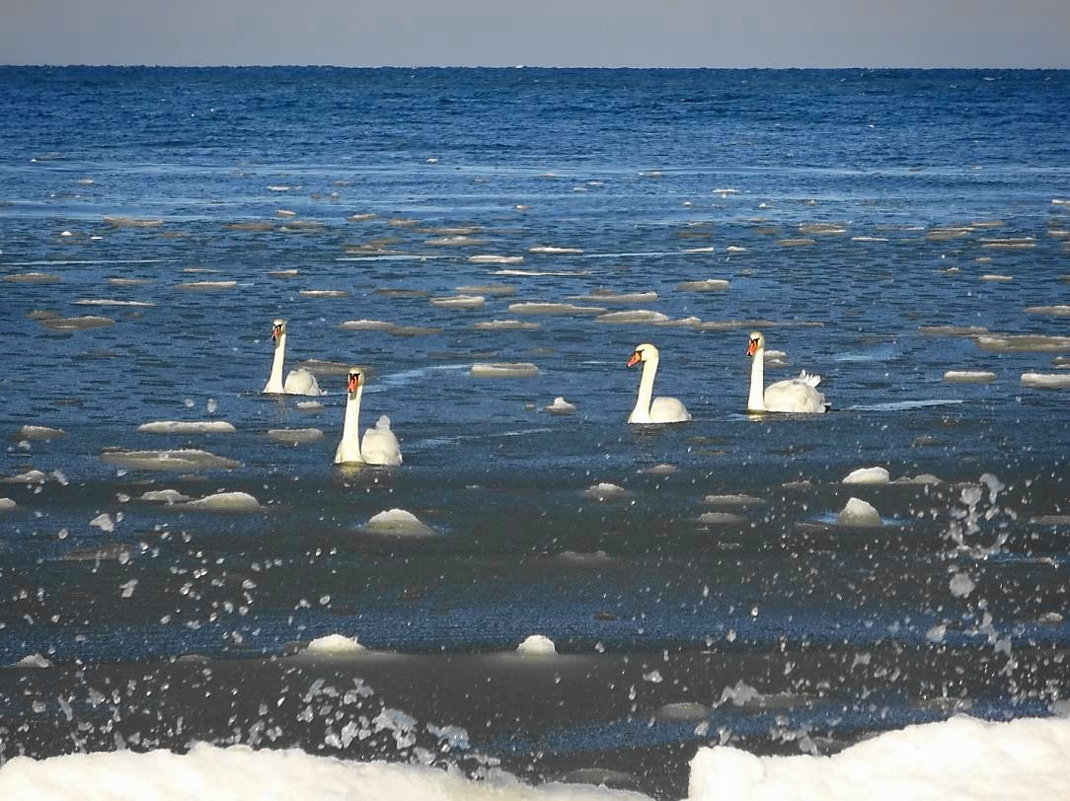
(654, 33)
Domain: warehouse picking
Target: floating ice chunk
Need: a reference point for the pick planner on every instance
(560, 406)
(459, 301)
(104, 522)
(632, 317)
(867, 475)
(33, 661)
(226, 502)
(611, 296)
(961, 585)
(491, 258)
(537, 645)
(706, 285)
(554, 309)
(206, 286)
(335, 645)
(186, 427)
(859, 513)
(309, 405)
(740, 694)
(398, 521)
(721, 519)
(504, 370)
(554, 249)
(969, 376)
(110, 302)
(921, 478)
(114, 551)
(506, 325)
(168, 496)
(605, 491)
(77, 323)
(7, 504)
(953, 330)
(660, 469)
(487, 289)
(324, 293)
(29, 477)
(555, 273)
(40, 432)
(31, 278)
(1051, 520)
(993, 278)
(1046, 380)
(682, 710)
(182, 459)
(733, 500)
(294, 436)
(131, 222)
(1055, 311)
(1012, 343)
(366, 325)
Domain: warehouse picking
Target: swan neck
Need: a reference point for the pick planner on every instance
(277, 361)
(351, 426)
(756, 399)
(641, 412)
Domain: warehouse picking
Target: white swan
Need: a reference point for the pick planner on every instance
(796, 395)
(299, 381)
(379, 446)
(660, 410)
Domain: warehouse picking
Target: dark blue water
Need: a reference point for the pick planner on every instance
(875, 225)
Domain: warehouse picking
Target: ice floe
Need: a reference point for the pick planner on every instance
(1046, 380)
(637, 316)
(560, 406)
(295, 436)
(186, 427)
(858, 513)
(77, 323)
(706, 285)
(366, 325)
(605, 491)
(506, 325)
(398, 521)
(867, 475)
(40, 432)
(6, 504)
(504, 370)
(206, 286)
(168, 496)
(1013, 343)
(537, 645)
(334, 645)
(36, 661)
(554, 309)
(459, 301)
(226, 502)
(720, 519)
(181, 459)
(969, 376)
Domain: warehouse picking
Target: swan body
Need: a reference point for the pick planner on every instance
(795, 395)
(299, 381)
(656, 410)
(379, 446)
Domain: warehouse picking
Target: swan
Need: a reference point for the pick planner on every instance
(660, 410)
(796, 395)
(299, 381)
(379, 446)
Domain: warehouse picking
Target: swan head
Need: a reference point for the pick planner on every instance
(354, 379)
(643, 353)
(757, 343)
(278, 330)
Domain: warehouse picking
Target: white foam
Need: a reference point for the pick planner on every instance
(962, 758)
(969, 376)
(554, 249)
(186, 427)
(707, 285)
(560, 406)
(398, 521)
(867, 475)
(531, 273)
(537, 645)
(858, 513)
(294, 436)
(182, 459)
(40, 432)
(335, 645)
(504, 370)
(226, 502)
(168, 496)
(993, 278)
(1046, 380)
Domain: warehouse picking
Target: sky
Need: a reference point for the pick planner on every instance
(595, 33)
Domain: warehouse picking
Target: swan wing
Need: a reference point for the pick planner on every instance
(668, 410)
(795, 396)
(380, 445)
(301, 382)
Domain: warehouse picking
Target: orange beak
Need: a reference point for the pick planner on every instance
(354, 382)
(635, 359)
(752, 348)
(275, 332)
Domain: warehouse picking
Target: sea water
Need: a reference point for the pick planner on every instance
(483, 243)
